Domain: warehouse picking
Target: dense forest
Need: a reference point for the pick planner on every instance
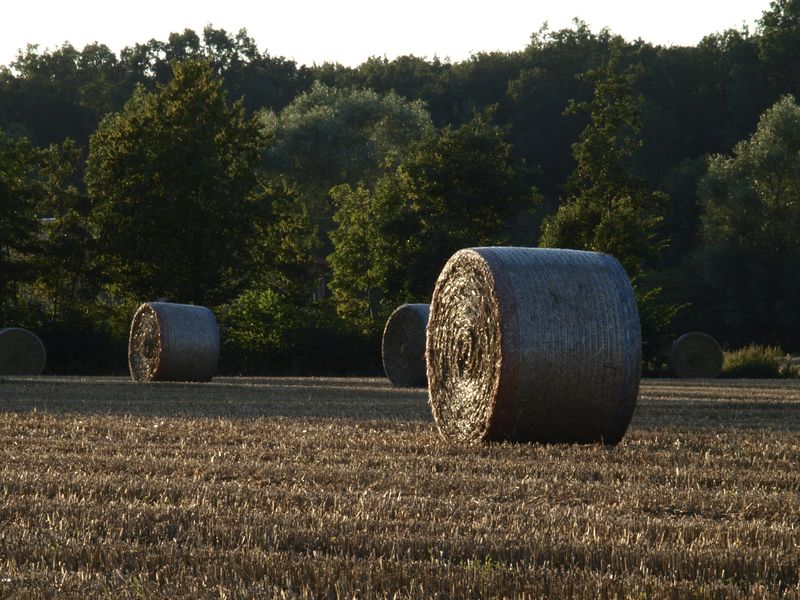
(304, 203)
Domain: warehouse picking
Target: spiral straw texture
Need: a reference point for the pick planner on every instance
(696, 355)
(403, 346)
(21, 352)
(532, 344)
(173, 342)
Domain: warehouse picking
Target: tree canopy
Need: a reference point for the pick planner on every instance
(171, 178)
(304, 203)
(18, 217)
(394, 237)
(608, 207)
(750, 224)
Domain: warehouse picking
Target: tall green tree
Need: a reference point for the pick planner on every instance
(329, 136)
(779, 44)
(369, 253)
(750, 253)
(63, 93)
(68, 282)
(608, 207)
(286, 248)
(457, 189)
(326, 137)
(19, 221)
(66, 302)
(546, 81)
(171, 178)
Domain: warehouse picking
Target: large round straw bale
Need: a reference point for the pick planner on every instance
(173, 342)
(695, 355)
(21, 352)
(532, 344)
(403, 346)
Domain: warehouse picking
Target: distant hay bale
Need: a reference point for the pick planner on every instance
(21, 352)
(173, 342)
(532, 344)
(696, 355)
(403, 346)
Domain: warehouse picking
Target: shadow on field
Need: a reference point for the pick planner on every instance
(717, 414)
(717, 404)
(349, 398)
(663, 404)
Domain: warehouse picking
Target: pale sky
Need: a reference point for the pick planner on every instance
(350, 31)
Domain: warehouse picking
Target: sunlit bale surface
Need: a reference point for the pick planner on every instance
(530, 344)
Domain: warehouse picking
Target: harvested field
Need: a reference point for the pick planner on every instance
(296, 488)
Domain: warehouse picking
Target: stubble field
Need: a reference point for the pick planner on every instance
(301, 488)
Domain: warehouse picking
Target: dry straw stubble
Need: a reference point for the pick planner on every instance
(21, 352)
(110, 496)
(530, 344)
(403, 345)
(173, 342)
(696, 355)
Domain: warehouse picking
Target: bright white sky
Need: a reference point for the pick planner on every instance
(350, 31)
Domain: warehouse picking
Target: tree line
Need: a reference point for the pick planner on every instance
(304, 203)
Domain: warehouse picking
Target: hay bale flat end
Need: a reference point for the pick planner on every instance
(173, 342)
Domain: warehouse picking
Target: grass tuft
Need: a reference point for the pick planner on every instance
(758, 362)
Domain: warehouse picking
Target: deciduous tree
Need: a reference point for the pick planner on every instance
(324, 138)
(68, 280)
(19, 222)
(457, 189)
(171, 178)
(750, 225)
(608, 207)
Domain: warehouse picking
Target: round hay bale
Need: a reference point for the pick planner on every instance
(21, 352)
(173, 342)
(696, 355)
(403, 345)
(533, 345)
